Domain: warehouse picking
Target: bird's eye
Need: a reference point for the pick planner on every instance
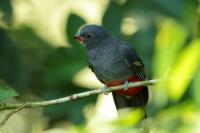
(88, 35)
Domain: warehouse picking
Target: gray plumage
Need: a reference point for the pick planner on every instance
(111, 59)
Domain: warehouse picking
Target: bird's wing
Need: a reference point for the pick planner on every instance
(133, 62)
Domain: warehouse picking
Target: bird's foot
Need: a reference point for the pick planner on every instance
(126, 85)
(105, 90)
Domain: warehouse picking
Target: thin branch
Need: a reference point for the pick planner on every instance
(20, 106)
(6, 106)
(5, 119)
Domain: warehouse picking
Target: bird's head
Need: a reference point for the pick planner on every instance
(91, 34)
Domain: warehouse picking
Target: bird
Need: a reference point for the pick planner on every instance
(115, 62)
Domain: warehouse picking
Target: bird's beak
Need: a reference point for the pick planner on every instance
(79, 38)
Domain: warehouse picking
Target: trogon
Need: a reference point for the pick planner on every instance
(115, 62)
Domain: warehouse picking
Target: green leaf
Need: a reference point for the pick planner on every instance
(115, 12)
(6, 92)
(169, 42)
(6, 12)
(184, 69)
(129, 117)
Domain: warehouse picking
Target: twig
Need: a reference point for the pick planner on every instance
(6, 106)
(19, 106)
(5, 119)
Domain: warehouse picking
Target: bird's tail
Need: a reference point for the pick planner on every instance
(138, 100)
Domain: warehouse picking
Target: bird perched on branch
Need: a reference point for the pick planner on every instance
(115, 62)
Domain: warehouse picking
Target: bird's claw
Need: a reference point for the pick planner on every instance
(126, 85)
(105, 90)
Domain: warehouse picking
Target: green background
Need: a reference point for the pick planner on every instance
(39, 58)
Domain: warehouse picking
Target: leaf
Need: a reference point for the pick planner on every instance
(129, 117)
(195, 85)
(6, 92)
(5, 13)
(115, 12)
(184, 69)
(169, 41)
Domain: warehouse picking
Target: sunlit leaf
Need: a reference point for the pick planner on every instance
(169, 41)
(7, 92)
(195, 85)
(175, 118)
(130, 117)
(182, 72)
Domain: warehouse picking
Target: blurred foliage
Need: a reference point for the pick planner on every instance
(6, 92)
(5, 13)
(39, 58)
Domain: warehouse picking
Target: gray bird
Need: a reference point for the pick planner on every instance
(115, 62)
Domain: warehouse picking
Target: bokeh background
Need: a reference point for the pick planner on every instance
(40, 60)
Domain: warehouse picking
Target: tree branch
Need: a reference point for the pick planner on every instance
(20, 106)
(8, 115)
(6, 106)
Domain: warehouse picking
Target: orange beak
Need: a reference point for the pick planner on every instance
(79, 38)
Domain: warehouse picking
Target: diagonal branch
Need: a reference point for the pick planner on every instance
(20, 106)
(5, 119)
(6, 106)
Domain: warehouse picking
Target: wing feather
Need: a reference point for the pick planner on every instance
(132, 60)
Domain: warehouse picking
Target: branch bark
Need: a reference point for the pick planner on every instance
(8, 115)
(17, 107)
(6, 106)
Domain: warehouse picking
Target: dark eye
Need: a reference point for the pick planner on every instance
(88, 35)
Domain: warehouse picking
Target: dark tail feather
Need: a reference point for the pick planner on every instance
(139, 100)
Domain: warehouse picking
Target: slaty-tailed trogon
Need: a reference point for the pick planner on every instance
(114, 62)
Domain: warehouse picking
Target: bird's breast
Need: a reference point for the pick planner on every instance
(108, 65)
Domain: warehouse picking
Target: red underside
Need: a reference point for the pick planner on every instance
(131, 91)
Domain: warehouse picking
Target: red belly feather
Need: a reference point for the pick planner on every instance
(131, 91)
